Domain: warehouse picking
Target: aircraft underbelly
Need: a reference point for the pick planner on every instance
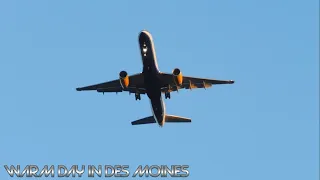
(158, 110)
(151, 80)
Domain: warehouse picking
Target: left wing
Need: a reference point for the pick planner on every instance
(189, 82)
(135, 85)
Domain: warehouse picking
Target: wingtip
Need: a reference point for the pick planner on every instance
(231, 81)
(78, 89)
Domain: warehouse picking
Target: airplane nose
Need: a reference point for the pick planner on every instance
(144, 34)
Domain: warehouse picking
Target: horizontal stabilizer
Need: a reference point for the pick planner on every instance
(176, 119)
(147, 120)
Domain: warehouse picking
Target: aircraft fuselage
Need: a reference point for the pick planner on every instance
(151, 71)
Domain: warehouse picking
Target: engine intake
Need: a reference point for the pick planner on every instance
(177, 76)
(124, 79)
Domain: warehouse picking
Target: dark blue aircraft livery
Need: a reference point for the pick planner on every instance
(153, 82)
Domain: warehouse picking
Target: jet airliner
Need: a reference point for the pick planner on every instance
(153, 83)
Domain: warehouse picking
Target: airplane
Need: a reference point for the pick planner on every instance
(153, 83)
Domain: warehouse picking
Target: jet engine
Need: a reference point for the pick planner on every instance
(177, 76)
(124, 79)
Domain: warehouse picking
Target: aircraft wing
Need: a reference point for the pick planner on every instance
(189, 82)
(135, 85)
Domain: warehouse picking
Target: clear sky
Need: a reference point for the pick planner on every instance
(265, 126)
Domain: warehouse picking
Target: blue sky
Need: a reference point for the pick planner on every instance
(265, 126)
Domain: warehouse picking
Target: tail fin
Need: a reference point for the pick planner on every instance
(169, 118)
(176, 119)
(146, 120)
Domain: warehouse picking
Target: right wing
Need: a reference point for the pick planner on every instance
(135, 85)
(189, 82)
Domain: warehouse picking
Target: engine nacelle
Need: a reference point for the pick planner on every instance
(177, 76)
(124, 79)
